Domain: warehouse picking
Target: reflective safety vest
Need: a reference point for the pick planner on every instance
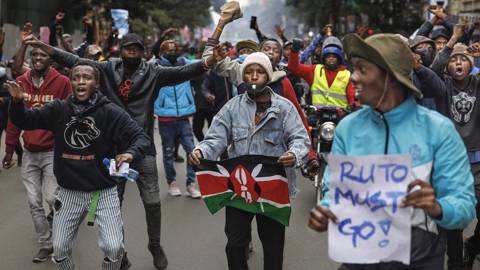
(334, 95)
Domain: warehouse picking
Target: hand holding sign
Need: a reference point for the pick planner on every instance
(423, 197)
(319, 217)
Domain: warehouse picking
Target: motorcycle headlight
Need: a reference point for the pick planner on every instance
(327, 130)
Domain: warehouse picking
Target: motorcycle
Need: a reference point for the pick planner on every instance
(323, 122)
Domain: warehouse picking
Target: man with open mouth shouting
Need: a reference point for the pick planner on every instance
(43, 84)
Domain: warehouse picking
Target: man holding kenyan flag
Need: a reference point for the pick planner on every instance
(262, 133)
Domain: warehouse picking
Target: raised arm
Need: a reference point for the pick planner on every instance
(296, 68)
(175, 75)
(63, 58)
(25, 35)
(280, 31)
(310, 48)
(426, 27)
(37, 118)
(260, 36)
(224, 66)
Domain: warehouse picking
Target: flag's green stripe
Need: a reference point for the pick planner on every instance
(215, 203)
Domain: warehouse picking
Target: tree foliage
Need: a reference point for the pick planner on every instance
(146, 15)
(387, 15)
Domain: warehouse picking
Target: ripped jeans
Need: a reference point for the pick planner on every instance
(71, 208)
(169, 132)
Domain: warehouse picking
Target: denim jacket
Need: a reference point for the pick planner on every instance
(279, 131)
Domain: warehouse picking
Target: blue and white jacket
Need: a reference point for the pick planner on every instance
(437, 150)
(176, 100)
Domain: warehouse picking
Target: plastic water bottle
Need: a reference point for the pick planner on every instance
(131, 176)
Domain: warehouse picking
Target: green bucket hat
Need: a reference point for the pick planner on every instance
(386, 51)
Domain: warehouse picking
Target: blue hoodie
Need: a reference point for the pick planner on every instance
(176, 100)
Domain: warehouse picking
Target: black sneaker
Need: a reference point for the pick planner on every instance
(125, 262)
(43, 255)
(159, 258)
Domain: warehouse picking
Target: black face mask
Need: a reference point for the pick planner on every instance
(427, 55)
(255, 90)
(331, 66)
(172, 57)
(131, 62)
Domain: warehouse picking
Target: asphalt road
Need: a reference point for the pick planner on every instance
(191, 236)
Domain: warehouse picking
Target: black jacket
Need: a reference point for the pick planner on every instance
(218, 86)
(147, 81)
(84, 135)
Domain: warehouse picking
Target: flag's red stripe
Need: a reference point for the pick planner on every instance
(274, 190)
(211, 184)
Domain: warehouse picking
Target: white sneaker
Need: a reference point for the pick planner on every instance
(193, 192)
(173, 189)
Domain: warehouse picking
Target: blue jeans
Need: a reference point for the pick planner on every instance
(169, 132)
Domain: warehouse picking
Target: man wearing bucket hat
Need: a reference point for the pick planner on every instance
(273, 117)
(424, 47)
(393, 123)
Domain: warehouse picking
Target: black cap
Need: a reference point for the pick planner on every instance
(440, 32)
(132, 38)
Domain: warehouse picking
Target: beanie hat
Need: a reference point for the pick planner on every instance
(461, 49)
(260, 59)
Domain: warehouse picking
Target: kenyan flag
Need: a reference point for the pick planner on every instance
(256, 184)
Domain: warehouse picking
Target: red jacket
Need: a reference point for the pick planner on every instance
(55, 86)
(289, 94)
(307, 72)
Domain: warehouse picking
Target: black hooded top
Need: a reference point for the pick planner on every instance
(84, 134)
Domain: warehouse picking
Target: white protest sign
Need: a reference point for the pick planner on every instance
(365, 195)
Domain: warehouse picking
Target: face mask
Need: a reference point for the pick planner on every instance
(131, 62)
(255, 90)
(241, 58)
(331, 66)
(172, 57)
(427, 55)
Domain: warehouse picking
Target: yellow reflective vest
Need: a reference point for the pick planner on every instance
(333, 95)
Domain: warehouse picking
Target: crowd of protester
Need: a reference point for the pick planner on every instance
(86, 101)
